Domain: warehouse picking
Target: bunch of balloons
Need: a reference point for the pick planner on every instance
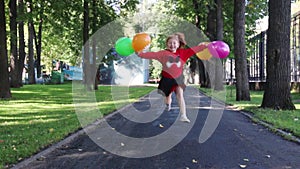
(217, 49)
(126, 46)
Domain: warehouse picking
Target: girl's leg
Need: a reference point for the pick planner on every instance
(168, 101)
(181, 103)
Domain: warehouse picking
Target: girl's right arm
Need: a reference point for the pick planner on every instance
(152, 55)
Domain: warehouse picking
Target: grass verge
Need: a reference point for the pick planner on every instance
(40, 115)
(286, 120)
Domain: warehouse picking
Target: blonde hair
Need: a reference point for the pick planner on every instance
(180, 37)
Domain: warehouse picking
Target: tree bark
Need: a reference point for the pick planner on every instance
(38, 42)
(86, 53)
(94, 29)
(277, 91)
(4, 78)
(21, 41)
(31, 72)
(242, 82)
(14, 64)
(219, 36)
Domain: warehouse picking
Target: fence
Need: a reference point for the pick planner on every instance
(257, 55)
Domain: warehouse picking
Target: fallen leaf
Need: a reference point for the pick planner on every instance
(41, 158)
(1, 141)
(243, 166)
(246, 159)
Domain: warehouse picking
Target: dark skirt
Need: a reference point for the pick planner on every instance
(168, 85)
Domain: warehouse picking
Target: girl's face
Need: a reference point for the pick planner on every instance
(173, 44)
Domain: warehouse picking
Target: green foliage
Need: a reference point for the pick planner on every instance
(155, 69)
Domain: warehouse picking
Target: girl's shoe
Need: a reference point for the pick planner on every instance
(168, 107)
(183, 118)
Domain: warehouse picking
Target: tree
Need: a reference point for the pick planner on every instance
(14, 60)
(31, 72)
(21, 40)
(277, 91)
(219, 36)
(4, 78)
(38, 38)
(242, 82)
(86, 53)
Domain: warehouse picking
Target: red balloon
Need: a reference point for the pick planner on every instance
(140, 41)
(219, 49)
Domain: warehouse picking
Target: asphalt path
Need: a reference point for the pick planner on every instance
(216, 138)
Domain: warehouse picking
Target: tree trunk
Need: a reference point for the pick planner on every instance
(31, 72)
(94, 29)
(211, 23)
(277, 91)
(219, 36)
(242, 82)
(38, 42)
(4, 78)
(219, 20)
(21, 41)
(14, 64)
(86, 53)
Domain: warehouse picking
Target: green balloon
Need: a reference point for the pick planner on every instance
(124, 46)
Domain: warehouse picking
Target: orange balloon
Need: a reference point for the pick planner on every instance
(204, 54)
(140, 41)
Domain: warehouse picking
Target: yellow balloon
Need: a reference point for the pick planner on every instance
(204, 54)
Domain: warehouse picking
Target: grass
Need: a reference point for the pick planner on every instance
(40, 115)
(287, 120)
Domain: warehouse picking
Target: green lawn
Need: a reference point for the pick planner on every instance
(288, 121)
(40, 115)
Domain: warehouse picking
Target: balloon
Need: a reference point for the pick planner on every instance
(218, 49)
(124, 46)
(140, 41)
(204, 54)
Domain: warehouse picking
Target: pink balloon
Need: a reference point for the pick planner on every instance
(219, 49)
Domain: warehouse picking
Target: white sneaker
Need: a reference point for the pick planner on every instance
(183, 118)
(168, 107)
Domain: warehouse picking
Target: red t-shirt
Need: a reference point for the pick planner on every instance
(172, 63)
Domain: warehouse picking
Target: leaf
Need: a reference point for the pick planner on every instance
(246, 159)
(268, 156)
(51, 130)
(243, 166)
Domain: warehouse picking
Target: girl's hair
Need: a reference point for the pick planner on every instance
(180, 37)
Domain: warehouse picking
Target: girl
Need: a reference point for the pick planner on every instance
(173, 59)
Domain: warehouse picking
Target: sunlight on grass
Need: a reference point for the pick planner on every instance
(40, 115)
(287, 120)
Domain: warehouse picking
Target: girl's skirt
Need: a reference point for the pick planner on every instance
(168, 85)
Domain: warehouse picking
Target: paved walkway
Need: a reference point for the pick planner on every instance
(216, 138)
